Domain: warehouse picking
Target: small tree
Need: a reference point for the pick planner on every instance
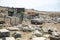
(21, 16)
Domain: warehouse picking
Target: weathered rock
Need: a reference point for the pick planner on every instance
(9, 38)
(39, 38)
(37, 33)
(17, 35)
(4, 33)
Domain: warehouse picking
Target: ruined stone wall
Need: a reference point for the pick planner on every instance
(4, 11)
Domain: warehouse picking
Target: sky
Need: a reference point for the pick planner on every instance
(41, 5)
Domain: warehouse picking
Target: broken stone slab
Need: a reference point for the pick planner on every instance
(17, 35)
(37, 33)
(4, 33)
(4, 30)
(7, 38)
(10, 38)
(27, 28)
(37, 21)
(39, 38)
(13, 28)
(54, 38)
(45, 29)
(55, 33)
(0, 38)
(46, 35)
(31, 28)
(58, 20)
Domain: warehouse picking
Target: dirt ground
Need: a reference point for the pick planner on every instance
(52, 25)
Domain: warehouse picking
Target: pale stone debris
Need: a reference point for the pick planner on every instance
(4, 30)
(10, 38)
(0, 38)
(37, 33)
(39, 38)
(12, 28)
